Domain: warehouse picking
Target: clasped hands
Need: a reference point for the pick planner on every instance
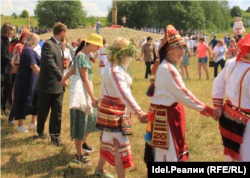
(94, 102)
(65, 83)
(143, 117)
(217, 112)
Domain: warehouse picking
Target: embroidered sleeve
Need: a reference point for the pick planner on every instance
(119, 83)
(218, 90)
(184, 96)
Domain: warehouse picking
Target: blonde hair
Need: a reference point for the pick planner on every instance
(232, 39)
(32, 40)
(119, 43)
(222, 42)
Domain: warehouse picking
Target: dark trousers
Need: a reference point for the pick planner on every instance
(221, 63)
(47, 101)
(5, 90)
(148, 69)
(12, 111)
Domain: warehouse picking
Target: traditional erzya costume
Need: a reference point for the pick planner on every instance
(116, 103)
(165, 130)
(103, 59)
(238, 28)
(234, 125)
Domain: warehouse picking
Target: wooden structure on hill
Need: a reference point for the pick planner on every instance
(114, 14)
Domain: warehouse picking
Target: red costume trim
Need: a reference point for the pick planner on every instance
(171, 70)
(121, 91)
(240, 90)
(232, 154)
(230, 135)
(176, 122)
(126, 156)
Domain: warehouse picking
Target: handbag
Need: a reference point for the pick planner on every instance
(211, 63)
(126, 124)
(79, 98)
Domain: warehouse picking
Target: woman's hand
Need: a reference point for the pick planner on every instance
(143, 117)
(94, 102)
(217, 112)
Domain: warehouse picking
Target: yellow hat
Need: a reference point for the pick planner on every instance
(95, 39)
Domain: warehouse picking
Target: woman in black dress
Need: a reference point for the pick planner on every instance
(7, 31)
(25, 94)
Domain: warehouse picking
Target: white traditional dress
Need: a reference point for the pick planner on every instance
(238, 27)
(116, 100)
(66, 61)
(103, 59)
(234, 81)
(167, 118)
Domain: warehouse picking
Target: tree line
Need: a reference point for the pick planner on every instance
(196, 15)
(186, 15)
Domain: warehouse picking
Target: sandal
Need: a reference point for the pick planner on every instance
(82, 160)
(87, 148)
(107, 175)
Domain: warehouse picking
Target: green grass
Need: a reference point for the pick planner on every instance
(103, 21)
(23, 155)
(20, 22)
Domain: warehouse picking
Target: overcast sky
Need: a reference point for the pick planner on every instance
(97, 8)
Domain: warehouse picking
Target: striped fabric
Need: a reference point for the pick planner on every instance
(218, 102)
(110, 111)
(232, 126)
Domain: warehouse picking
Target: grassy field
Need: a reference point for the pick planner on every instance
(24, 155)
(22, 22)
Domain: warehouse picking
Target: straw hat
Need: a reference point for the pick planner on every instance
(95, 39)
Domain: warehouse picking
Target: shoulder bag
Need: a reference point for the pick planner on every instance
(79, 98)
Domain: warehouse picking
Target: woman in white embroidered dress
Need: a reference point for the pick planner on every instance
(116, 102)
(168, 94)
(66, 58)
(234, 125)
(102, 57)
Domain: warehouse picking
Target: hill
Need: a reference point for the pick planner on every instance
(23, 155)
(20, 22)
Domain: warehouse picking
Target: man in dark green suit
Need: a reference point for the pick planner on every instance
(50, 91)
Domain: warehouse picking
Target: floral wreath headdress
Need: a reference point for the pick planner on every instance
(118, 53)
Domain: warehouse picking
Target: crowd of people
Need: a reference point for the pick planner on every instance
(37, 80)
(38, 31)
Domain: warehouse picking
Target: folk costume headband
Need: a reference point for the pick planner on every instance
(119, 53)
(244, 46)
(171, 40)
(25, 33)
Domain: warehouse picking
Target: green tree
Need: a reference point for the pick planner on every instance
(235, 10)
(91, 19)
(13, 14)
(248, 9)
(70, 13)
(24, 14)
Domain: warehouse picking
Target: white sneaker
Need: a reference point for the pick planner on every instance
(145, 79)
(12, 123)
(32, 126)
(21, 129)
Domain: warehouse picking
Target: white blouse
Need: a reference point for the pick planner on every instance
(229, 82)
(116, 83)
(170, 88)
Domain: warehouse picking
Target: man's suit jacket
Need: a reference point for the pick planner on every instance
(51, 69)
